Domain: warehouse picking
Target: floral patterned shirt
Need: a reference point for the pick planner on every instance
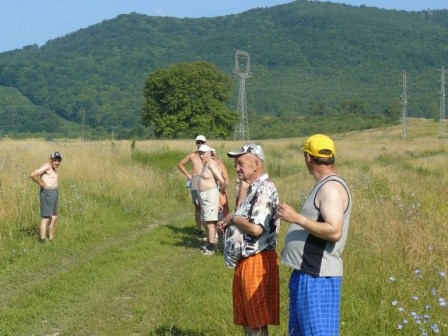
(260, 207)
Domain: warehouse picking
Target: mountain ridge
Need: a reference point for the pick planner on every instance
(302, 54)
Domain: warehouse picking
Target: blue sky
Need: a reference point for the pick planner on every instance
(24, 22)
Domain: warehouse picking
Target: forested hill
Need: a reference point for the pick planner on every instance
(303, 55)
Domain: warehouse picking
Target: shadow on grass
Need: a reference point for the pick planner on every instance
(185, 237)
(175, 331)
(30, 230)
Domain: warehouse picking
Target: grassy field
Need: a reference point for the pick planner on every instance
(125, 261)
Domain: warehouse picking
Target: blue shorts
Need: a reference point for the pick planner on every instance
(314, 306)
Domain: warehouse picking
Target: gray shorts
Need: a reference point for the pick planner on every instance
(49, 202)
(209, 205)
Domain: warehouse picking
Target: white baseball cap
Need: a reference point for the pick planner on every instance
(201, 138)
(204, 148)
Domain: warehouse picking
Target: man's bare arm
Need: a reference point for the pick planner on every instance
(36, 175)
(225, 173)
(217, 174)
(181, 166)
(332, 199)
(242, 223)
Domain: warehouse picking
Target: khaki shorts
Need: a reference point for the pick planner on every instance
(209, 205)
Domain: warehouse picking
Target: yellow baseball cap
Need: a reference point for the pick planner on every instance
(320, 145)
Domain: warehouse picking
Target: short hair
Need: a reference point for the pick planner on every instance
(323, 161)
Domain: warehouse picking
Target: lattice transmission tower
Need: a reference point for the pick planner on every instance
(242, 70)
(404, 102)
(442, 104)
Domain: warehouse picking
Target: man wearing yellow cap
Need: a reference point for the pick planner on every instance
(314, 243)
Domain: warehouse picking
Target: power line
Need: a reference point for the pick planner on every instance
(404, 101)
(442, 104)
(242, 70)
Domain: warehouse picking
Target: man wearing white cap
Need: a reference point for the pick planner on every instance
(210, 176)
(223, 199)
(193, 179)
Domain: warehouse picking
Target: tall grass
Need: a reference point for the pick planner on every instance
(125, 260)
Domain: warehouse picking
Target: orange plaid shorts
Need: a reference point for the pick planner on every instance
(256, 293)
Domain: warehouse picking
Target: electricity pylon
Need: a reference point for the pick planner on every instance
(242, 70)
(404, 101)
(442, 104)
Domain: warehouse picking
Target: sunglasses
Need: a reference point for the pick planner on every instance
(199, 142)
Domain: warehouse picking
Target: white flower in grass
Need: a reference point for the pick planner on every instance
(442, 302)
(392, 279)
(394, 303)
(433, 291)
(428, 306)
(415, 298)
(416, 317)
(442, 274)
(400, 309)
(400, 326)
(435, 328)
(418, 274)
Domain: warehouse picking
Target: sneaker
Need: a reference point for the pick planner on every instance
(208, 252)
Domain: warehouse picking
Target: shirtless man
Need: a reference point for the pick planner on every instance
(193, 179)
(47, 178)
(211, 175)
(223, 199)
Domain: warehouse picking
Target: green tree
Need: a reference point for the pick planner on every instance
(354, 106)
(393, 111)
(187, 99)
(318, 109)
